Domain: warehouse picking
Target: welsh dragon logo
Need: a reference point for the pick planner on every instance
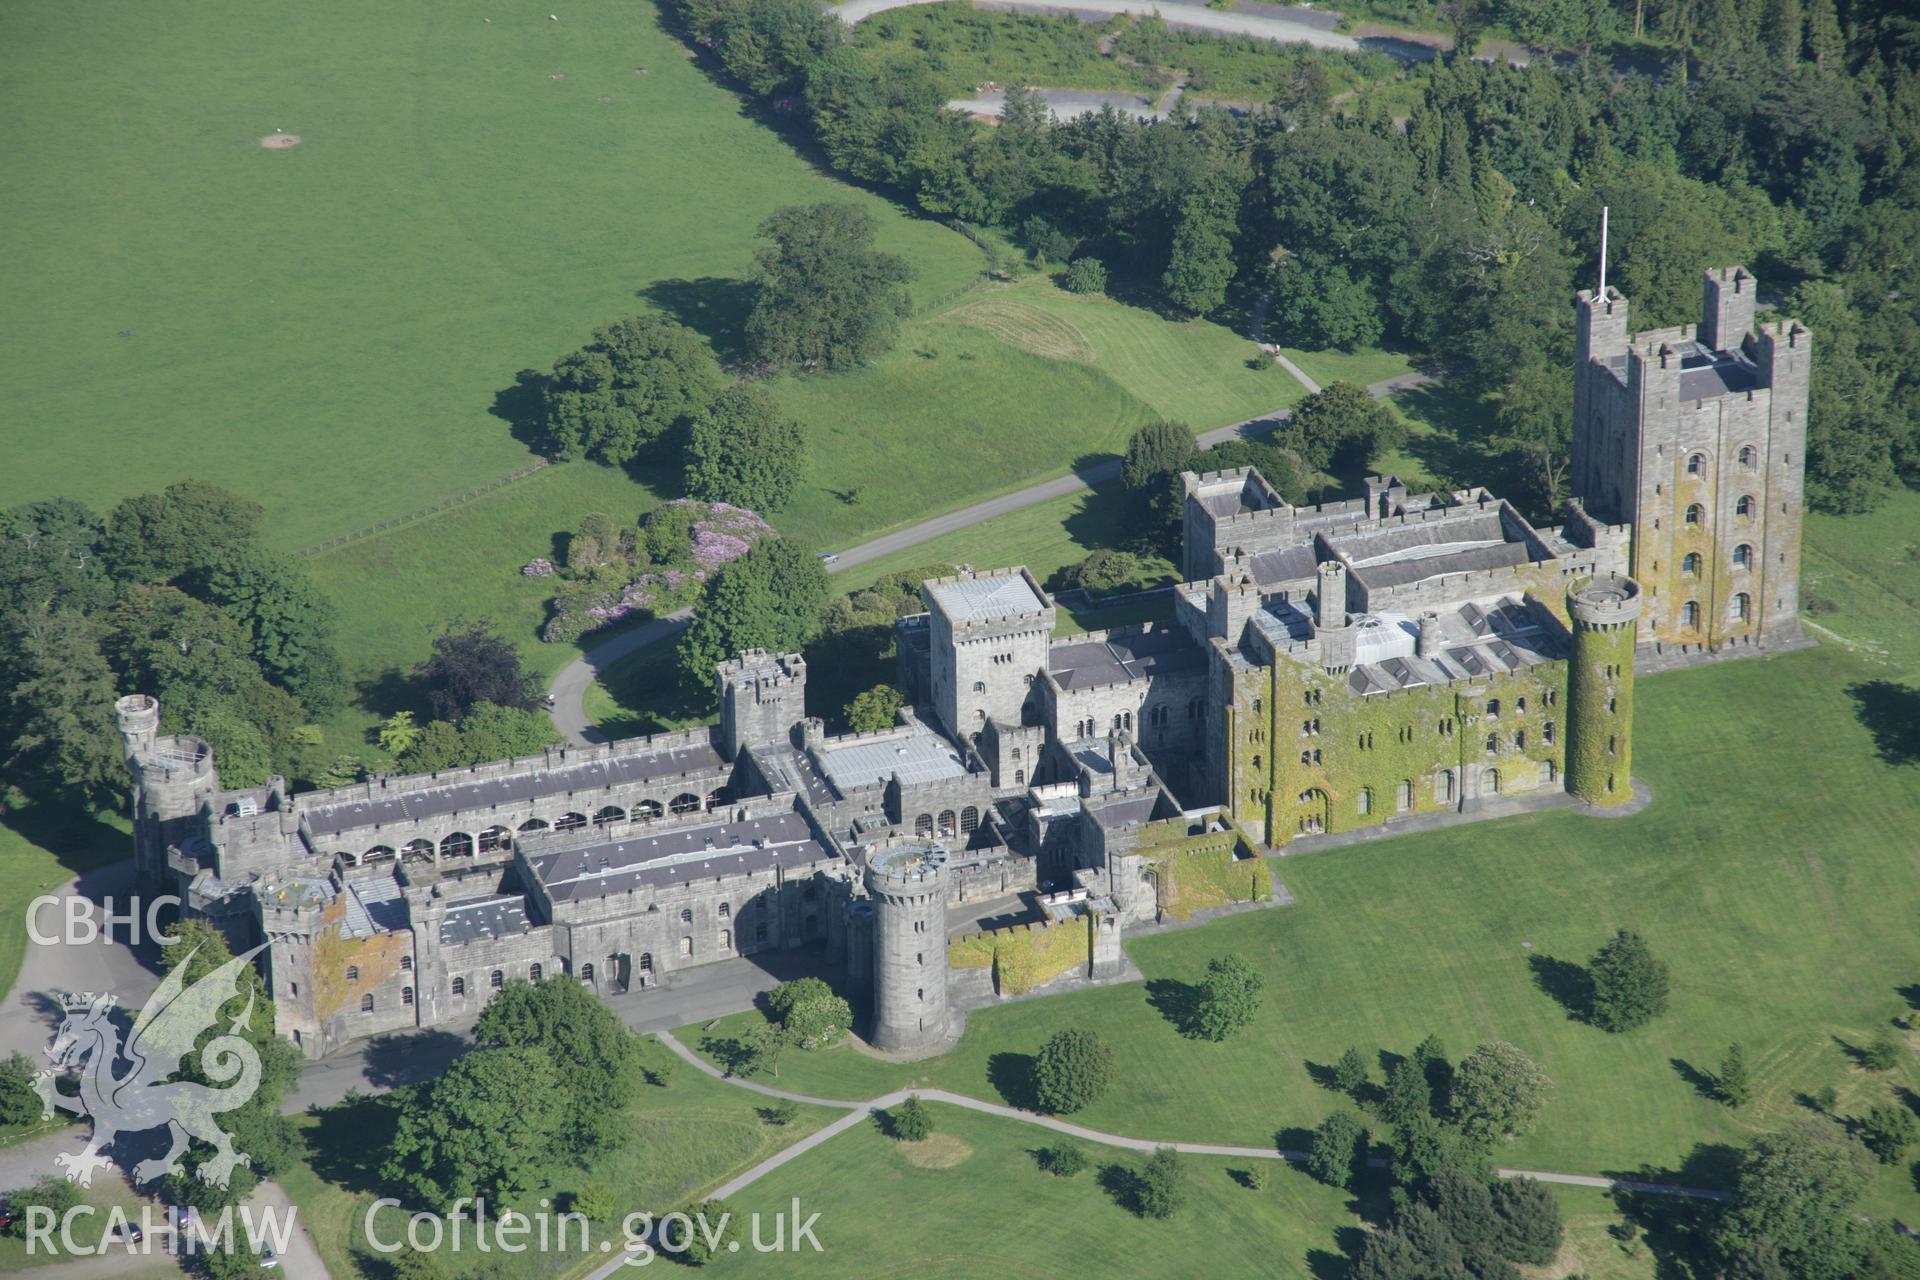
(163, 1035)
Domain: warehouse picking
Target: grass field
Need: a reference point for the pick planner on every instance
(1773, 872)
(685, 1138)
(646, 692)
(965, 47)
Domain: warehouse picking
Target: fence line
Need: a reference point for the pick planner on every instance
(447, 504)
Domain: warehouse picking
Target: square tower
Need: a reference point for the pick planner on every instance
(1697, 439)
(762, 697)
(989, 637)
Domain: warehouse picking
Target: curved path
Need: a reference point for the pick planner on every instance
(1181, 16)
(857, 1112)
(569, 687)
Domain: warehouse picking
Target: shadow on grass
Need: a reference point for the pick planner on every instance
(348, 1144)
(1891, 713)
(1011, 1075)
(523, 407)
(715, 307)
(1124, 1185)
(1674, 1225)
(1178, 1002)
(78, 840)
(1567, 983)
(1702, 1082)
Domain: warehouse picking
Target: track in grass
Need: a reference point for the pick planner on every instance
(1026, 328)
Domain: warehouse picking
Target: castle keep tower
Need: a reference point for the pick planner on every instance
(1604, 611)
(909, 893)
(169, 778)
(762, 697)
(1697, 438)
(990, 633)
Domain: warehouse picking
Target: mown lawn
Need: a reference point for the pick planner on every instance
(1775, 872)
(970, 1202)
(646, 692)
(685, 1138)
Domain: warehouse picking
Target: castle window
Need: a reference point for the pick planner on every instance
(1613, 745)
(1019, 777)
(1016, 753)
(1493, 742)
(949, 824)
(1546, 733)
(1404, 801)
(1446, 785)
(586, 973)
(1690, 564)
(1746, 456)
(969, 820)
(646, 960)
(726, 939)
(406, 964)
(726, 909)
(923, 825)
(406, 995)
(686, 947)
(1493, 782)
(979, 686)
(496, 979)
(293, 988)
(1520, 740)
(1696, 464)
(459, 986)
(1690, 615)
(366, 1004)
(1695, 513)
(1549, 697)
(534, 973)
(1364, 802)
(1613, 703)
(684, 803)
(1493, 708)
(353, 973)
(686, 915)
(570, 822)
(1745, 507)
(1306, 757)
(1741, 607)
(1743, 556)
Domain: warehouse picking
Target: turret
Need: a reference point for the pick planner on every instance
(1432, 639)
(1604, 611)
(909, 892)
(169, 777)
(1330, 601)
(1231, 604)
(762, 697)
(1726, 311)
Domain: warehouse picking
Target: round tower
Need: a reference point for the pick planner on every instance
(1604, 610)
(909, 893)
(169, 777)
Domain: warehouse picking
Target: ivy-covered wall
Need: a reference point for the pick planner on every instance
(1193, 873)
(1309, 755)
(1600, 740)
(375, 961)
(1025, 956)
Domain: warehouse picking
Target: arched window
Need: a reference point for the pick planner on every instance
(1696, 464)
(1742, 606)
(1493, 782)
(1520, 706)
(1019, 777)
(646, 962)
(586, 972)
(417, 851)
(1743, 556)
(1364, 802)
(534, 824)
(379, 853)
(647, 811)
(726, 909)
(969, 820)
(1690, 564)
(1746, 456)
(686, 947)
(1520, 740)
(534, 973)
(406, 964)
(949, 823)
(979, 686)
(923, 825)
(496, 979)
(1404, 801)
(1493, 742)
(366, 1003)
(570, 822)
(684, 803)
(1745, 507)
(726, 939)
(1546, 733)
(406, 995)
(459, 986)
(1690, 615)
(494, 838)
(1493, 708)
(353, 973)
(686, 915)
(1695, 513)
(608, 816)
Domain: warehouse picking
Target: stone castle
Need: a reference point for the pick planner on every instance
(1327, 669)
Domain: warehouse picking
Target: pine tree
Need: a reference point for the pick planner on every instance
(1350, 1073)
(1733, 1083)
(1629, 986)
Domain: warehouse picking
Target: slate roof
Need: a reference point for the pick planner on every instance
(374, 905)
(527, 784)
(1480, 639)
(1289, 564)
(601, 867)
(1136, 655)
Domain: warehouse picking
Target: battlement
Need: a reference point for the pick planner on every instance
(757, 666)
(992, 598)
(1605, 601)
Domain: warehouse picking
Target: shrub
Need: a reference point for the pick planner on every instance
(1734, 1084)
(1063, 1161)
(1882, 1054)
(1259, 1176)
(910, 1121)
(1163, 1184)
(1350, 1073)
(1073, 1069)
(1086, 275)
(1888, 1131)
(1335, 1148)
(594, 1199)
(780, 1113)
(56, 1194)
(1229, 997)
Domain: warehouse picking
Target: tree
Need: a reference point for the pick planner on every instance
(57, 714)
(707, 1238)
(493, 732)
(768, 599)
(563, 1019)
(1531, 1229)
(1795, 1192)
(745, 451)
(1498, 1091)
(875, 709)
(57, 1195)
(1162, 1187)
(1200, 266)
(1533, 417)
(398, 733)
(595, 1199)
(1629, 985)
(1336, 1147)
(911, 1121)
(824, 294)
(1103, 570)
(1734, 1083)
(414, 1264)
(809, 1012)
(779, 1113)
(481, 1129)
(1408, 1094)
(1073, 1069)
(471, 664)
(1229, 997)
(637, 381)
(1882, 1052)
(1319, 303)
(51, 557)
(1350, 1073)
(1154, 452)
(288, 623)
(1086, 275)
(160, 537)
(20, 1103)
(437, 746)
(1888, 1130)
(1342, 420)
(1063, 1160)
